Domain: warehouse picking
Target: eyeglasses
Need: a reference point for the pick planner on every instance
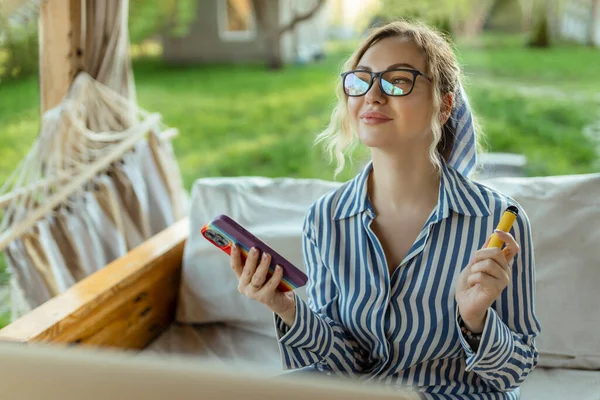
(393, 82)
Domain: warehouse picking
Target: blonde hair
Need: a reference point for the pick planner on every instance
(441, 66)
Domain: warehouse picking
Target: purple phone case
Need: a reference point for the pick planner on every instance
(247, 240)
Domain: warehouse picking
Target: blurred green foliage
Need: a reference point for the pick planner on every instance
(19, 51)
(148, 18)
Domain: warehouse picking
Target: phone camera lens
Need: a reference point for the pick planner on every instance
(217, 238)
(221, 241)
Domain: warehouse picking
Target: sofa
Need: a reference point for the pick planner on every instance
(215, 322)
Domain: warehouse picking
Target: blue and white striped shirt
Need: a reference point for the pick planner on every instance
(402, 329)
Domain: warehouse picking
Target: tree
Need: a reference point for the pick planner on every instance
(593, 27)
(540, 34)
(267, 18)
(449, 15)
(18, 40)
(166, 17)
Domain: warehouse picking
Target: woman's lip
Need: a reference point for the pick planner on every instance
(374, 114)
(374, 121)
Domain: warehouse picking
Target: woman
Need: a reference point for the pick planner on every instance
(402, 288)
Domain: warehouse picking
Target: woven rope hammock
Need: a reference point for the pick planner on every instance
(100, 178)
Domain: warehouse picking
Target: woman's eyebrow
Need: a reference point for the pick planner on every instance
(399, 65)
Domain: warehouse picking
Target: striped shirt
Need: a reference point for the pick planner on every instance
(403, 329)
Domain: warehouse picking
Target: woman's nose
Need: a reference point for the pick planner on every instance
(374, 94)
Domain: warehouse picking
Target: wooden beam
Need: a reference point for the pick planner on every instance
(61, 49)
(126, 305)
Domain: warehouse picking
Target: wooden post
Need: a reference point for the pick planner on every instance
(61, 49)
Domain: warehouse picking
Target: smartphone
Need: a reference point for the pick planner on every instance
(223, 231)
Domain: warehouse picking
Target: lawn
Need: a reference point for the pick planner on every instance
(244, 120)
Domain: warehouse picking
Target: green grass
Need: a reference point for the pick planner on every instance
(564, 65)
(547, 131)
(244, 120)
(4, 319)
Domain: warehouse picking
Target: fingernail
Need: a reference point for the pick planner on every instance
(498, 231)
(264, 256)
(233, 246)
(278, 268)
(253, 250)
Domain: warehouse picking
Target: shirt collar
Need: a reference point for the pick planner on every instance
(456, 193)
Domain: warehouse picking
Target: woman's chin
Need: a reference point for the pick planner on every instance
(374, 139)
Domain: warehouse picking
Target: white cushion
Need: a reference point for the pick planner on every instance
(273, 209)
(564, 212)
(559, 383)
(222, 344)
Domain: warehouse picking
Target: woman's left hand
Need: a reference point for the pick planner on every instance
(482, 281)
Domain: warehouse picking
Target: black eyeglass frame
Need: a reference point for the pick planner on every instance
(375, 75)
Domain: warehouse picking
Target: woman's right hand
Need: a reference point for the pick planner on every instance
(253, 283)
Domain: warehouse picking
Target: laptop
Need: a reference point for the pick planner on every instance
(50, 372)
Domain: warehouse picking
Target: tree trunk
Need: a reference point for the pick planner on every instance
(267, 18)
(593, 24)
(540, 35)
(474, 23)
(527, 7)
(273, 43)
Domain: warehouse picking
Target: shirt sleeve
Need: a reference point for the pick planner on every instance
(316, 336)
(507, 353)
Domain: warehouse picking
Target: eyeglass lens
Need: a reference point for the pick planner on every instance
(394, 83)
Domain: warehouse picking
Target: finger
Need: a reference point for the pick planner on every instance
(234, 260)
(492, 269)
(492, 254)
(273, 281)
(509, 256)
(512, 247)
(258, 279)
(249, 267)
(483, 280)
(487, 242)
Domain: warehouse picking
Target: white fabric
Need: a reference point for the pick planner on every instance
(564, 213)
(557, 383)
(221, 344)
(132, 170)
(28, 289)
(35, 291)
(170, 173)
(159, 203)
(273, 210)
(112, 239)
(57, 265)
(81, 241)
(74, 260)
(133, 237)
(94, 240)
(19, 305)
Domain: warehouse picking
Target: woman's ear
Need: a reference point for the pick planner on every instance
(446, 109)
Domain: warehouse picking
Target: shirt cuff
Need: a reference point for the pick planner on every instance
(495, 348)
(307, 341)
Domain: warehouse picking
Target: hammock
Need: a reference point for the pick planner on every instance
(100, 179)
